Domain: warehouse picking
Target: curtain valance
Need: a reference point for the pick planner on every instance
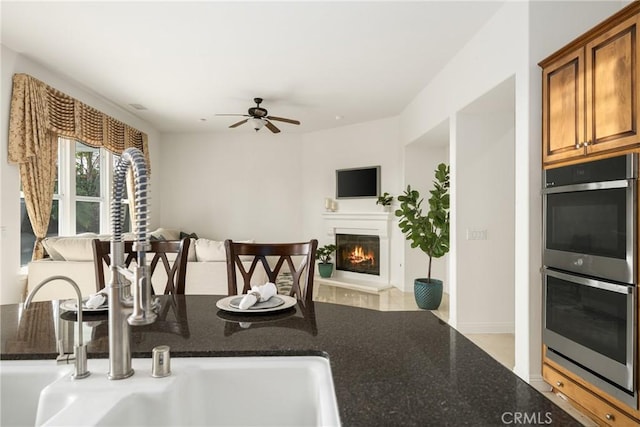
(37, 109)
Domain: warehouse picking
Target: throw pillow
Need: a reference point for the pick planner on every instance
(189, 235)
(210, 250)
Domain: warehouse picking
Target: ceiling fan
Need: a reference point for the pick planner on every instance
(259, 117)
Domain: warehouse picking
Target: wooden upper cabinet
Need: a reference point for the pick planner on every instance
(590, 94)
(612, 88)
(563, 107)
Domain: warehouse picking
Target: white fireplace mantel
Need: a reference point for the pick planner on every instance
(363, 223)
(375, 222)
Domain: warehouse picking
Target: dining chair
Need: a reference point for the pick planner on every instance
(298, 257)
(174, 268)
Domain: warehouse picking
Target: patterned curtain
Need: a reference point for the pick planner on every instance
(39, 114)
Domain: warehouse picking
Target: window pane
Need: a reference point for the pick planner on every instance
(27, 238)
(87, 217)
(87, 170)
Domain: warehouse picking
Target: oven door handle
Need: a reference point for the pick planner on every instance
(607, 286)
(589, 186)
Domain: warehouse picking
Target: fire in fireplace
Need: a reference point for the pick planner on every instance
(358, 253)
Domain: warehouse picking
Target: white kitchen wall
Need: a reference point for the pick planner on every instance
(13, 62)
(238, 185)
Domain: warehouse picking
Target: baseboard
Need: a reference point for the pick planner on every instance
(537, 382)
(486, 328)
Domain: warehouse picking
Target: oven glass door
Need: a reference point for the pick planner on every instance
(588, 222)
(591, 322)
(590, 230)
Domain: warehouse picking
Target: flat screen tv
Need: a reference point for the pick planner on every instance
(358, 182)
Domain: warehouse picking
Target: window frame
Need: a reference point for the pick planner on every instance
(66, 191)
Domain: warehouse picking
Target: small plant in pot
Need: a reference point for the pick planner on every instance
(385, 200)
(428, 231)
(325, 267)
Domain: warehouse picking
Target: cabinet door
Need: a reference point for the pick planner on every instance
(612, 94)
(563, 108)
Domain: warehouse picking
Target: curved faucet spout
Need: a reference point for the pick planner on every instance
(119, 285)
(80, 351)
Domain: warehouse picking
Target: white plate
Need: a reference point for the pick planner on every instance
(72, 305)
(225, 304)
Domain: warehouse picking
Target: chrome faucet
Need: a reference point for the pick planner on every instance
(79, 351)
(121, 303)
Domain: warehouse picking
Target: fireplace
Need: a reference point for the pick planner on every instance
(358, 253)
(368, 266)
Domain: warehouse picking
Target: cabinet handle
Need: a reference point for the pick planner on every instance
(578, 145)
(559, 383)
(609, 417)
(586, 143)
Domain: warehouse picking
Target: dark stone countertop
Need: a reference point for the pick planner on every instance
(389, 368)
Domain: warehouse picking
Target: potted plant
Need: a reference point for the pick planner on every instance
(428, 231)
(325, 267)
(385, 200)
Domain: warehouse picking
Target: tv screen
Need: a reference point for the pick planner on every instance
(358, 182)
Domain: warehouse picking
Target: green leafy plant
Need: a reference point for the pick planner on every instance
(324, 253)
(428, 231)
(385, 199)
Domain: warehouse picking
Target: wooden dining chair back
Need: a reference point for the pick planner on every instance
(173, 268)
(299, 258)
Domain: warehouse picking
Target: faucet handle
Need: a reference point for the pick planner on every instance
(128, 274)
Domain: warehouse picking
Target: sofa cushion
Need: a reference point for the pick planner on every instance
(165, 234)
(210, 250)
(70, 248)
(213, 250)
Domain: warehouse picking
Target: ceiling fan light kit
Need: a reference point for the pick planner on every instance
(259, 118)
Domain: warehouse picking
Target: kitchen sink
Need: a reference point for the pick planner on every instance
(21, 382)
(211, 391)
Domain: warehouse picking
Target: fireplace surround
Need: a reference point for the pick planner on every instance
(361, 226)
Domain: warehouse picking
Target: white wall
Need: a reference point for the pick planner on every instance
(12, 62)
(512, 42)
(365, 144)
(485, 203)
(240, 185)
(420, 161)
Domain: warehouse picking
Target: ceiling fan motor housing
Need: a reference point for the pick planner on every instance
(257, 111)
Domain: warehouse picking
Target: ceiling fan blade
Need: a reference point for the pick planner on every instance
(281, 119)
(241, 122)
(271, 127)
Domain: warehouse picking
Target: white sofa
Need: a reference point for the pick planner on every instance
(73, 257)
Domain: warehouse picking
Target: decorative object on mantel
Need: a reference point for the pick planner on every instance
(330, 205)
(385, 201)
(429, 232)
(325, 268)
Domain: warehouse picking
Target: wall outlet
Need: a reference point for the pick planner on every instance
(476, 234)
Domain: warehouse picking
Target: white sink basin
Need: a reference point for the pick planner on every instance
(20, 384)
(226, 391)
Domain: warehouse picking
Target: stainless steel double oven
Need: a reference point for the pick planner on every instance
(590, 271)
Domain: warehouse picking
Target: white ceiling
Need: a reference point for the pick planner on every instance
(187, 61)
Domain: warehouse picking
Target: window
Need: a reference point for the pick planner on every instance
(81, 195)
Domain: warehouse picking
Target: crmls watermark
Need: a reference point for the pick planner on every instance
(528, 418)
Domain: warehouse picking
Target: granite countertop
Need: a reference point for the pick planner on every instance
(389, 368)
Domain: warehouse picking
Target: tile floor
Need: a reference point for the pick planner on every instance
(499, 346)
